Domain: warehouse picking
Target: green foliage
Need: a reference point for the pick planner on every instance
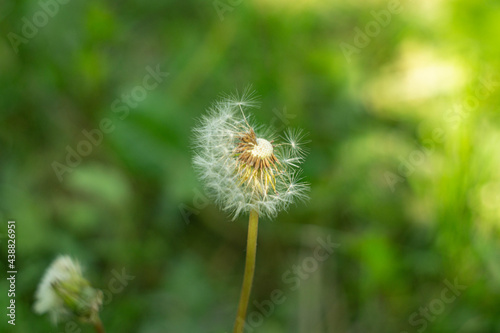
(403, 161)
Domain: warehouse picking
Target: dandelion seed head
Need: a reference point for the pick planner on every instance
(240, 163)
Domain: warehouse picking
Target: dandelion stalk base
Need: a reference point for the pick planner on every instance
(99, 328)
(253, 227)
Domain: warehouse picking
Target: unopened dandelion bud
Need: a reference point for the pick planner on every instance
(64, 292)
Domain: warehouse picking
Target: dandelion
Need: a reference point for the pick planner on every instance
(63, 292)
(247, 168)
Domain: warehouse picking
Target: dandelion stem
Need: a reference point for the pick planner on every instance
(253, 227)
(99, 328)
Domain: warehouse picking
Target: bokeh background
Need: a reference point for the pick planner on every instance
(399, 99)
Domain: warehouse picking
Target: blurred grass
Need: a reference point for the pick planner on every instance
(119, 208)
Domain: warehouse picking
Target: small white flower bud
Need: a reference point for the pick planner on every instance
(63, 292)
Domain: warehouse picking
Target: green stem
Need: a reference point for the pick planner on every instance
(253, 227)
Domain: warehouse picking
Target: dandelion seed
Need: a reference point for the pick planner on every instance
(242, 166)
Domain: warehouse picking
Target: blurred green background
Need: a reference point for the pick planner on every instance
(400, 103)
